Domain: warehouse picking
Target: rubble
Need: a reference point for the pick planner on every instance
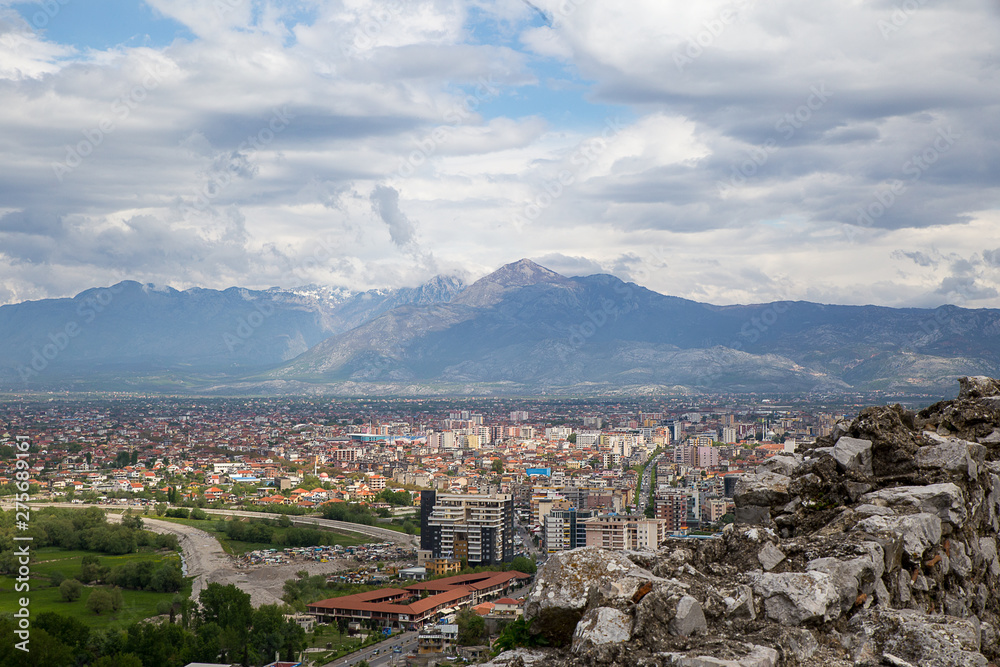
(877, 545)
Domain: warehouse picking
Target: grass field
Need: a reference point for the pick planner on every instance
(45, 597)
(235, 547)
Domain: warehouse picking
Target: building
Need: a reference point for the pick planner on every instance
(437, 639)
(625, 532)
(672, 508)
(411, 608)
(439, 566)
(476, 528)
(565, 529)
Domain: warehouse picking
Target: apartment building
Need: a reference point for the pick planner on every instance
(625, 532)
(476, 528)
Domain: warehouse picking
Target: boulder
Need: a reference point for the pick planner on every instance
(951, 455)
(977, 386)
(571, 582)
(919, 532)
(753, 656)
(688, 619)
(916, 638)
(851, 577)
(601, 626)
(793, 598)
(781, 463)
(945, 500)
(853, 455)
(770, 556)
(762, 489)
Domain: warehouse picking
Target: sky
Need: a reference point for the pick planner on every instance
(729, 152)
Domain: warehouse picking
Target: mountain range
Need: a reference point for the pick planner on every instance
(522, 329)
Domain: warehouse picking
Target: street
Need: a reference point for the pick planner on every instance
(406, 642)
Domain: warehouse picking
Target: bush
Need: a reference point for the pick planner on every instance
(100, 601)
(178, 513)
(199, 514)
(70, 590)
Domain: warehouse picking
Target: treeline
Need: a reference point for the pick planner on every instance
(283, 534)
(164, 577)
(227, 629)
(85, 530)
(353, 513)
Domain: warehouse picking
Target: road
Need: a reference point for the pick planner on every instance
(382, 534)
(204, 558)
(385, 658)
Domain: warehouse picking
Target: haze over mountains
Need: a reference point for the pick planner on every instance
(521, 329)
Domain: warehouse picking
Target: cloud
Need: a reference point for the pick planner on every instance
(385, 202)
(786, 153)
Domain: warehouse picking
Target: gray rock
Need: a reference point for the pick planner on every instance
(977, 386)
(770, 556)
(952, 455)
(781, 463)
(792, 598)
(919, 639)
(918, 531)
(520, 657)
(851, 577)
(753, 515)
(755, 656)
(945, 500)
(991, 439)
(853, 455)
(688, 619)
(741, 604)
(988, 551)
(762, 489)
(801, 644)
(873, 510)
(601, 626)
(960, 561)
(571, 582)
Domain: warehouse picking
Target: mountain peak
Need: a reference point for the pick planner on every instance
(521, 273)
(489, 289)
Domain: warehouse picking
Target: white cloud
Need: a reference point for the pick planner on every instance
(728, 151)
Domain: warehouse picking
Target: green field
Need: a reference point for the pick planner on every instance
(45, 597)
(235, 547)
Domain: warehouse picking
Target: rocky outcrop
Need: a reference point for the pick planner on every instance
(876, 545)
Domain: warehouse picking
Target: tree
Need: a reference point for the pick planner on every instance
(572, 438)
(497, 466)
(471, 628)
(100, 601)
(225, 605)
(522, 564)
(70, 590)
(160, 509)
(133, 521)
